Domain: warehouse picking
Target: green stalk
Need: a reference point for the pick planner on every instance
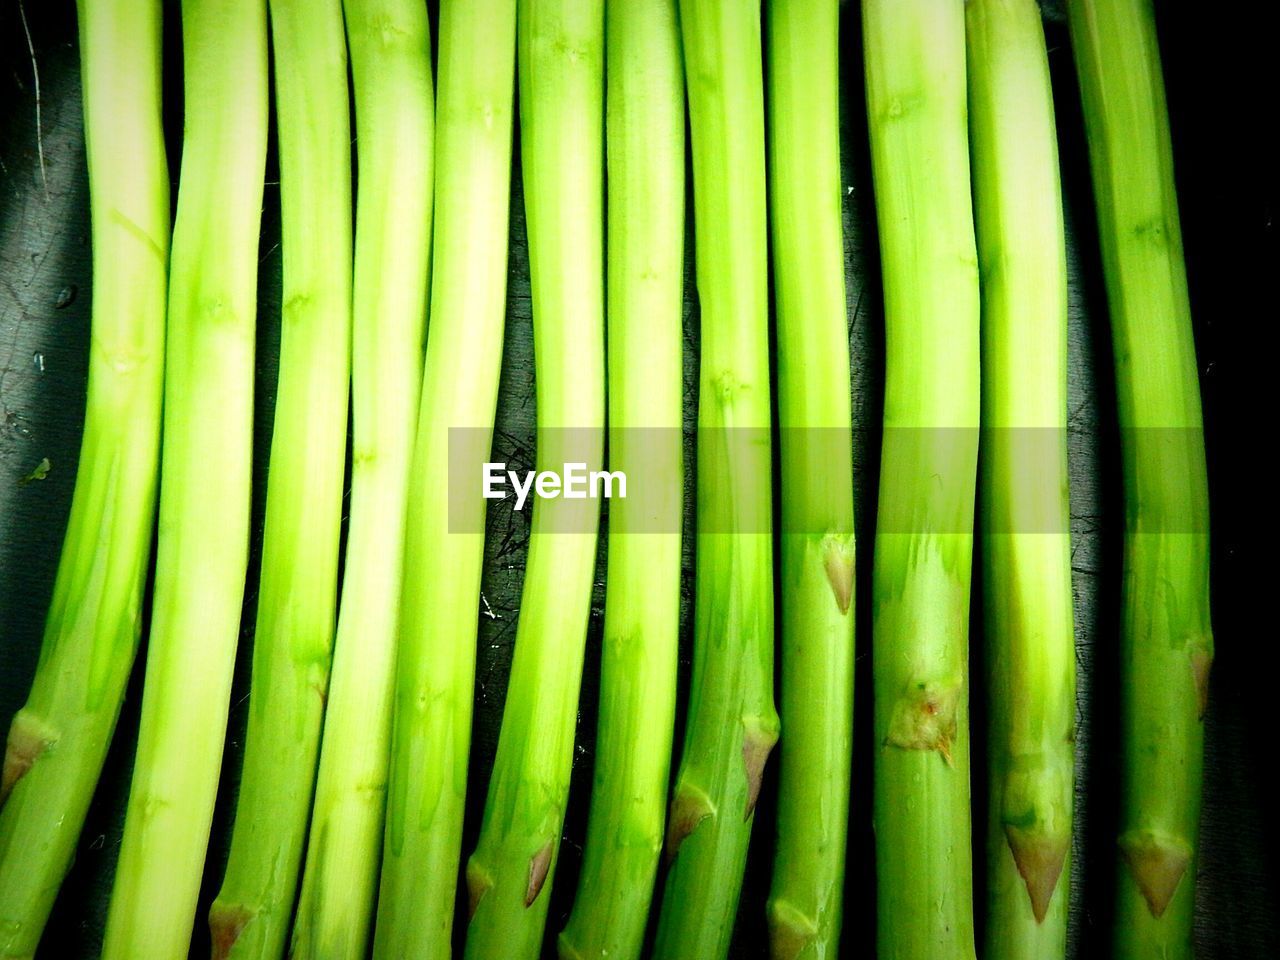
(814, 410)
(1166, 637)
(440, 603)
(1026, 541)
(645, 133)
(915, 71)
(295, 620)
(390, 46)
(560, 55)
(732, 724)
(204, 525)
(58, 740)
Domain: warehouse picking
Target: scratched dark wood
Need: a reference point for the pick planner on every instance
(1221, 79)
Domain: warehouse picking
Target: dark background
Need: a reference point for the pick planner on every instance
(1221, 78)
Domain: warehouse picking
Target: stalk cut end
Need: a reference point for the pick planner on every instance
(924, 718)
(689, 807)
(539, 867)
(1201, 663)
(757, 744)
(838, 558)
(29, 738)
(479, 883)
(1157, 862)
(226, 923)
(1039, 859)
(790, 931)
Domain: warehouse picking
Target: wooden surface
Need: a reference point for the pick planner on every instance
(1222, 92)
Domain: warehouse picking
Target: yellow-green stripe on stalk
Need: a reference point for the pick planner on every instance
(814, 411)
(1166, 641)
(915, 75)
(560, 58)
(645, 135)
(732, 724)
(440, 600)
(390, 47)
(58, 740)
(204, 496)
(296, 600)
(1026, 551)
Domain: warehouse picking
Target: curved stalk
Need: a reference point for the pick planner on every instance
(1166, 636)
(1026, 541)
(645, 132)
(732, 724)
(298, 586)
(814, 410)
(204, 527)
(560, 56)
(390, 48)
(440, 603)
(58, 740)
(915, 70)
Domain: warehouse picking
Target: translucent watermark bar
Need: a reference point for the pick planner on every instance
(563, 479)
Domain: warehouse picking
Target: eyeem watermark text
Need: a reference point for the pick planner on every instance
(574, 482)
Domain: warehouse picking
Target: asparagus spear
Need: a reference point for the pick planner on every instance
(204, 520)
(817, 479)
(58, 740)
(732, 723)
(645, 132)
(1166, 636)
(1026, 544)
(915, 69)
(432, 723)
(390, 47)
(294, 636)
(560, 52)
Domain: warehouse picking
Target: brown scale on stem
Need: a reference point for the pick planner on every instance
(478, 884)
(28, 740)
(925, 718)
(689, 807)
(226, 923)
(838, 559)
(1039, 860)
(757, 744)
(539, 867)
(790, 932)
(1157, 864)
